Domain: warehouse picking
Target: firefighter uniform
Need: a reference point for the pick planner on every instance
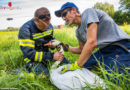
(31, 41)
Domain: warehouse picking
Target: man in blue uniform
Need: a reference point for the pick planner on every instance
(33, 38)
(96, 29)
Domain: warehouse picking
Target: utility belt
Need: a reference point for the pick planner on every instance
(120, 44)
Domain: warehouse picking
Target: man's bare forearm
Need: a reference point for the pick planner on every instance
(86, 53)
(90, 45)
(75, 50)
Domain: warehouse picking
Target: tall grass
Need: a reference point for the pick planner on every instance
(11, 59)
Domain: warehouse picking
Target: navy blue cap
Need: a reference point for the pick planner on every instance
(66, 5)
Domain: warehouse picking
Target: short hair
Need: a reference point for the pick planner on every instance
(41, 11)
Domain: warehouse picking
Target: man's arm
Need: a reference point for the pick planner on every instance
(77, 50)
(90, 45)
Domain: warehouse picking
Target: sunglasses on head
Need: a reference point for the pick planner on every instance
(65, 13)
(45, 16)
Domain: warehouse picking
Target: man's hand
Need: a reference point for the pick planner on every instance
(58, 56)
(65, 46)
(70, 67)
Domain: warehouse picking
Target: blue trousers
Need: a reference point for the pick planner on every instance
(113, 57)
(39, 68)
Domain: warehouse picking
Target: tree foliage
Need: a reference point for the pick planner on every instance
(125, 5)
(109, 9)
(122, 16)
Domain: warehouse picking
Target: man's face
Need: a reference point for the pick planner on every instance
(43, 21)
(68, 15)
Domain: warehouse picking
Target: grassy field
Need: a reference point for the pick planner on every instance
(11, 59)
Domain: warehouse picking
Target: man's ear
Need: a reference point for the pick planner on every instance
(78, 14)
(36, 19)
(74, 9)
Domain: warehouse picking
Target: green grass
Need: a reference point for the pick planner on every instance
(126, 28)
(11, 59)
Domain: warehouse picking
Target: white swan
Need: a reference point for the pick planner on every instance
(73, 80)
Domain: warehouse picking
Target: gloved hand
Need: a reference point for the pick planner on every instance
(65, 46)
(70, 67)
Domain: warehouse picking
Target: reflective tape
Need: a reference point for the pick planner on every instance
(27, 42)
(38, 56)
(27, 60)
(40, 35)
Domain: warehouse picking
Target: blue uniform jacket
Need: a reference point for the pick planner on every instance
(32, 40)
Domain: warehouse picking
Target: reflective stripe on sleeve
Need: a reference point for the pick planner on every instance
(38, 56)
(27, 42)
